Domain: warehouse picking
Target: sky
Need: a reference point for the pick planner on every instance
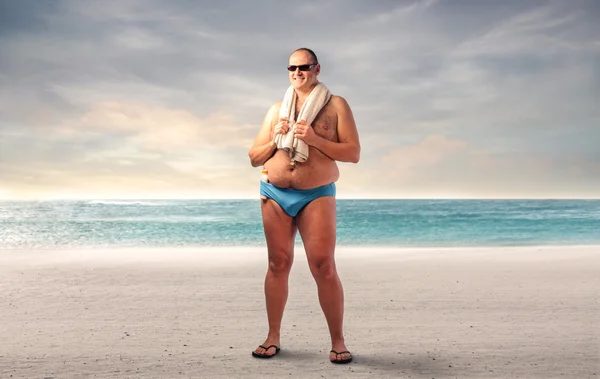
(163, 99)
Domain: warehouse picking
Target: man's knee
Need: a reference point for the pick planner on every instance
(323, 267)
(280, 263)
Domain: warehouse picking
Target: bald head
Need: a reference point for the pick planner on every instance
(310, 52)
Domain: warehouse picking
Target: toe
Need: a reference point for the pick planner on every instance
(260, 350)
(266, 350)
(339, 356)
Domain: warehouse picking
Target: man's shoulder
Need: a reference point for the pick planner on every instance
(273, 112)
(275, 106)
(339, 103)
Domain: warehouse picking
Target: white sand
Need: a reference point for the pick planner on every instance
(410, 313)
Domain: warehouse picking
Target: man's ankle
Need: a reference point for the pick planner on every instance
(273, 336)
(336, 341)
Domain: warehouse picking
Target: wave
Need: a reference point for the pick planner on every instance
(158, 219)
(129, 202)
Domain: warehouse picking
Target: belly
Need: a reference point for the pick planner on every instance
(318, 170)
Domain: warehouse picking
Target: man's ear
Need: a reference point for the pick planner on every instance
(318, 68)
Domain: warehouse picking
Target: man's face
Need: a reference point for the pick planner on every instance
(303, 79)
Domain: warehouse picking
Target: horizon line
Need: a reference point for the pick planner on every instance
(256, 198)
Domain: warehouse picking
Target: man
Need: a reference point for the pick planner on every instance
(301, 197)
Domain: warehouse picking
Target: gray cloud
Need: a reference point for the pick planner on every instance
(510, 79)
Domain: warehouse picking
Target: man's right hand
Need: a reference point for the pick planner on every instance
(282, 127)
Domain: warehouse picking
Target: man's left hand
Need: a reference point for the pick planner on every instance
(305, 132)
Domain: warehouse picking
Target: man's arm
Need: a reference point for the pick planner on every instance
(348, 147)
(264, 146)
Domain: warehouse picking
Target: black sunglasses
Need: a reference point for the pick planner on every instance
(302, 67)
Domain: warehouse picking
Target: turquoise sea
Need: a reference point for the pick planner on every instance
(389, 223)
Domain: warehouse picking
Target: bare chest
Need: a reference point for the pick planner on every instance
(325, 124)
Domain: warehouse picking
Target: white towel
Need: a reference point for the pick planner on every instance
(316, 100)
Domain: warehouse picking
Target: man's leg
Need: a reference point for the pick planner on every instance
(280, 233)
(317, 227)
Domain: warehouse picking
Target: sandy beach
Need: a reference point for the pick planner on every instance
(198, 313)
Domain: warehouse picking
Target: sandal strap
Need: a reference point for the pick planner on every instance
(342, 352)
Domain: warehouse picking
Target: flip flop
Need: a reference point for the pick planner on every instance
(257, 355)
(339, 361)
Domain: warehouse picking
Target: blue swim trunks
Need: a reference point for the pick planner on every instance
(293, 200)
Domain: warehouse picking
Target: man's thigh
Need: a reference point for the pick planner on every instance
(279, 228)
(317, 227)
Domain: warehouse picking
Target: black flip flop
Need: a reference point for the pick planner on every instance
(257, 355)
(340, 361)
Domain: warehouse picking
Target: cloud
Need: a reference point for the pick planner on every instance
(138, 96)
(130, 148)
(164, 130)
(427, 153)
(439, 166)
(551, 26)
(403, 11)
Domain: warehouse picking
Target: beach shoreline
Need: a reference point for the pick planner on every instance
(486, 312)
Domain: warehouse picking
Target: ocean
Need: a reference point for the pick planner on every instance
(383, 223)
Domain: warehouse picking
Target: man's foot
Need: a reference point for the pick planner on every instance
(339, 353)
(340, 357)
(266, 351)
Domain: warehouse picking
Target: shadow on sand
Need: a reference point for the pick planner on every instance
(407, 364)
